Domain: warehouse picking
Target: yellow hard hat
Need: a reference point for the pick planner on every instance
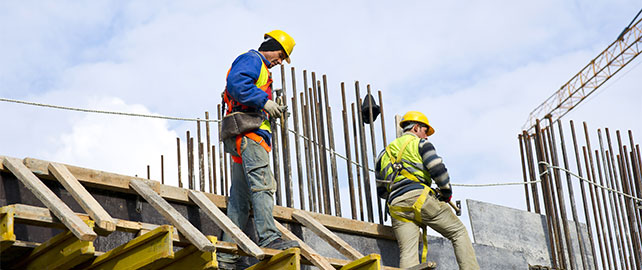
(415, 116)
(286, 41)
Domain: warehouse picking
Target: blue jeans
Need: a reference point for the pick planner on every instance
(253, 186)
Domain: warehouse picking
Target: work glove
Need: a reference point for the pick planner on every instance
(445, 195)
(274, 109)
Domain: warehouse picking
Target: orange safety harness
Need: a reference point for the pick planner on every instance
(252, 136)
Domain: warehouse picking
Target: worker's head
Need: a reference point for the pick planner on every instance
(276, 47)
(417, 123)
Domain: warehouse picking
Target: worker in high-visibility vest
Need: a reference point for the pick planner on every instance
(405, 170)
(249, 89)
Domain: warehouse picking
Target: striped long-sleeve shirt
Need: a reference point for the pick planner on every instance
(432, 163)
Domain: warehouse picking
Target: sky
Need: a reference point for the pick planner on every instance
(475, 68)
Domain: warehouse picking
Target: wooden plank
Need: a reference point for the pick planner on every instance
(307, 251)
(49, 199)
(116, 182)
(289, 259)
(195, 236)
(369, 262)
(82, 196)
(342, 246)
(223, 222)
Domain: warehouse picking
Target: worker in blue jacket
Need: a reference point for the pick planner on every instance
(249, 89)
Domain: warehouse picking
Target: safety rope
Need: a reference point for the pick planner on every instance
(639, 200)
(331, 151)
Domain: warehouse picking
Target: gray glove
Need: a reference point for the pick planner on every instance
(274, 109)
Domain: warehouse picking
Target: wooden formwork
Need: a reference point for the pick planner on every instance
(178, 245)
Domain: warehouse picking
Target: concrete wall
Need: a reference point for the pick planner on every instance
(520, 231)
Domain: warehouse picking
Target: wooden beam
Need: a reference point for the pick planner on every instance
(223, 222)
(307, 251)
(82, 196)
(195, 236)
(49, 199)
(120, 183)
(342, 246)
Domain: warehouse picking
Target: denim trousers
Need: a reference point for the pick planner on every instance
(438, 216)
(253, 187)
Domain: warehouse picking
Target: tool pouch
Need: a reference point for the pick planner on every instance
(238, 123)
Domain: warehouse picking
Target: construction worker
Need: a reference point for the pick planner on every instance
(405, 170)
(249, 89)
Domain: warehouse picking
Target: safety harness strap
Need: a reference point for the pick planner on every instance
(252, 136)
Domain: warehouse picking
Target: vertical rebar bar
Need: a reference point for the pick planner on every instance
(148, 176)
(297, 145)
(599, 215)
(615, 242)
(162, 170)
(192, 180)
(383, 120)
(327, 205)
(199, 151)
(213, 169)
(571, 194)
(189, 163)
(221, 154)
(316, 148)
(209, 153)
(531, 170)
(364, 157)
(560, 194)
(346, 138)
(584, 200)
(275, 155)
(333, 157)
(548, 157)
(307, 144)
(546, 194)
(356, 155)
(285, 140)
(374, 148)
(521, 155)
(178, 161)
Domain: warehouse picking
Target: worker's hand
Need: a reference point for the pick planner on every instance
(445, 195)
(274, 109)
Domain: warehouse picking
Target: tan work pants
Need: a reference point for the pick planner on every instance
(438, 216)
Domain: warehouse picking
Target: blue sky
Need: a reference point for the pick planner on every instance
(475, 68)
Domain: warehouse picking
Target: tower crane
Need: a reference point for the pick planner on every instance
(599, 70)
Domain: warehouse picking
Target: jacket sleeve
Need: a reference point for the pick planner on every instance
(242, 78)
(434, 164)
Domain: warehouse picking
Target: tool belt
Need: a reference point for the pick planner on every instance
(238, 123)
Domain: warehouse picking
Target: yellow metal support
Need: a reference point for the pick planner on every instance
(369, 262)
(140, 252)
(63, 251)
(289, 259)
(190, 258)
(7, 237)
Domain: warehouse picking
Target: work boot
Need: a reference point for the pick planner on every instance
(281, 244)
(226, 266)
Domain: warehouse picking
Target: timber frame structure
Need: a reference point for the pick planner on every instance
(58, 237)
